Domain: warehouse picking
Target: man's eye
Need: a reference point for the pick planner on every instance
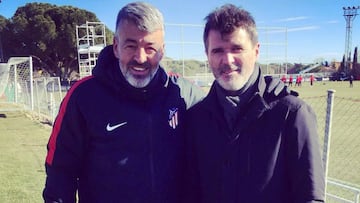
(129, 46)
(216, 51)
(150, 50)
(237, 49)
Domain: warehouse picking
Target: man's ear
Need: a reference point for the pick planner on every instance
(257, 50)
(162, 52)
(115, 47)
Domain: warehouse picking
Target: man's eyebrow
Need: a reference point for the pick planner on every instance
(129, 40)
(237, 46)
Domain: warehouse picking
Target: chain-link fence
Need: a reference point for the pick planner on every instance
(185, 51)
(20, 90)
(48, 94)
(338, 125)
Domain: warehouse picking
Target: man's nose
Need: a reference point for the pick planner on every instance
(140, 55)
(228, 58)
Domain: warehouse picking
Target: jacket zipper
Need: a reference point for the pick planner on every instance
(148, 109)
(151, 156)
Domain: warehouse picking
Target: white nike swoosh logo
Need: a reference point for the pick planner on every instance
(111, 128)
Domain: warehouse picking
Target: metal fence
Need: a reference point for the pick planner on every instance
(184, 44)
(338, 125)
(48, 94)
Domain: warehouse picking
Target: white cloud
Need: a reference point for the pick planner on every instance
(295, 29)
(302, 28)
(293, 19)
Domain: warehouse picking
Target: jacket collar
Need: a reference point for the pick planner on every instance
(211, 100)
(256, 106)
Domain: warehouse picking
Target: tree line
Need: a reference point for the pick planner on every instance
(47, 33)
(349, 68)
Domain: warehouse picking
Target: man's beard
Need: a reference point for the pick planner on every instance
(138, 81)
(232, 82)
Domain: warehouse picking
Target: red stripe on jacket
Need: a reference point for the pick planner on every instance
(58, 122)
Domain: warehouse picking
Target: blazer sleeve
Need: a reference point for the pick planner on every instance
(305, 164)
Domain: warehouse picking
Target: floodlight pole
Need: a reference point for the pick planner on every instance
(349, 13)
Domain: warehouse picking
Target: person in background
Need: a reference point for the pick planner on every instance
(312, 78)
(297, 82)
(119, 134)
(290, 81)
(246, 144)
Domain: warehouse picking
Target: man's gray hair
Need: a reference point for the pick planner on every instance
(145, 16)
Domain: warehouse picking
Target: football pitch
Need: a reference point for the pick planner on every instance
(23, 144)
(22, 148)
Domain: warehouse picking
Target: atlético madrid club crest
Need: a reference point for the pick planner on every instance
(173, 117)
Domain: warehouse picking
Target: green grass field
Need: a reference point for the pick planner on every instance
(23, 143)
(22, 148)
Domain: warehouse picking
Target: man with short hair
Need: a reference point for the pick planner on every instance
(247, 144)
(118, 136)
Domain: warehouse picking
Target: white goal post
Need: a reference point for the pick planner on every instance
(4, 76)
(23, 89)
(16, 82)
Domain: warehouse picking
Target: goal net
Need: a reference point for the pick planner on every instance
(4, 76)
(20, 90)
(16, 82)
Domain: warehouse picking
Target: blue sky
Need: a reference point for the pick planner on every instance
(315, 28)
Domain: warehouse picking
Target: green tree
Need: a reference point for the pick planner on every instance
(342, 65)
(355, 66)
(48, 33)
(3, 25)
